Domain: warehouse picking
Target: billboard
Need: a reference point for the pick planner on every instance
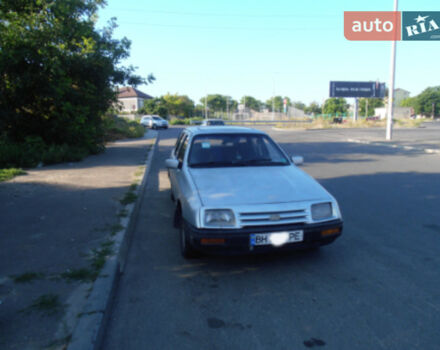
(366, 89)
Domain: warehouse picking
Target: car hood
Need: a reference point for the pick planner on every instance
(222, 187)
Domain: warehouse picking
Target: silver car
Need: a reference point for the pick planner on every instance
(236, 191)
(154, 122)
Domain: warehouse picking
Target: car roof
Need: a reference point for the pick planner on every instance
(222, 129)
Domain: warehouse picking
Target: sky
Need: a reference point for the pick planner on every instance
(264, 48)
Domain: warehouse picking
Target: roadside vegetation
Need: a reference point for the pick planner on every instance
(58, 79)
(7, 174)
(326, 123)
(116, 128)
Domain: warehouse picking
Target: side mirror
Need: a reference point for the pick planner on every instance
(172, 163)
(297, 160)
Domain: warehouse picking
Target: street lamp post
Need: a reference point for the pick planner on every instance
(392, 81)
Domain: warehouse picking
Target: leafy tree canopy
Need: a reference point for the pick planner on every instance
(178, 105)
(335, 105)
(277, 103)
(252, 103)
(372, 104)
(299, 105)
(313, 108)
(58, 72)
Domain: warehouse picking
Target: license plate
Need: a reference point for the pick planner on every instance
(276, 238)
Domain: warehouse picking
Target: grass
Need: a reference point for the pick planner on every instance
(100, 255)
(123, 213)
(140, 171)
(27, 277)
(121, 128)
(7, 174)
(82, 274)
(46, 303)
(97, 261)
(59, 343)
(117, 227)
(129, 197)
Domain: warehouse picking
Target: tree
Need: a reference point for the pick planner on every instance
(408, 102)
(277, 102)
(154, 106)
(299, 105)
(216, 102)
(251, 102)
(335, 105)
(313, 108)
(58, 72)
(428, 102)
(372, 104)
(178, 105)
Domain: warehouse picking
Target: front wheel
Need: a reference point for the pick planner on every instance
(186, 249)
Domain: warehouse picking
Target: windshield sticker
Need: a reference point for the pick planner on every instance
(206, 145)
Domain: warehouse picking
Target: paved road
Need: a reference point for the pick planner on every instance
(377, 287)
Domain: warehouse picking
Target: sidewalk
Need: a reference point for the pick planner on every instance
(56, 225)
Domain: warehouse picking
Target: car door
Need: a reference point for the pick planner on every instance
(179, 154)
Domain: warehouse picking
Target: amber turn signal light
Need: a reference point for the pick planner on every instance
(208, 241)
(330, 231)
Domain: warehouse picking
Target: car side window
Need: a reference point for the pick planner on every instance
(182, 149)
(178, 142)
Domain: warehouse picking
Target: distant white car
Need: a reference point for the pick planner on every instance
(154, 122)
(208, 122)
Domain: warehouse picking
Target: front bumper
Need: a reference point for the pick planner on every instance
(238, 240)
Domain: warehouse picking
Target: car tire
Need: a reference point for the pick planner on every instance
(186, 249)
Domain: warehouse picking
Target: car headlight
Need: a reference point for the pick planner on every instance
(219, 217)
(322, 211)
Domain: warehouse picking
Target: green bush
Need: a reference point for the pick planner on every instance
(30, 153)
(179, 122)
(186, 121)
(116, 128)
(7, 174)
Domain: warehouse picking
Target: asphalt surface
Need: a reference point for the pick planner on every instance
(51, 220)
(377, 287)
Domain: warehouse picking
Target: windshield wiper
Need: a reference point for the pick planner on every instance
(259, 161)
(211, 164)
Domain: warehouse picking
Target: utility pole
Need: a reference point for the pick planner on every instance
(356, 109)
(392, 81)
(206, 107)
(227, 107)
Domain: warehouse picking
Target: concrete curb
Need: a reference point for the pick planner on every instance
(404, 147)
(90, 328)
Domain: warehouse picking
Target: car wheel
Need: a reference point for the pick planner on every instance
(186, 248)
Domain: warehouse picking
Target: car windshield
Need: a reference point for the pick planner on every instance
(233, 150)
